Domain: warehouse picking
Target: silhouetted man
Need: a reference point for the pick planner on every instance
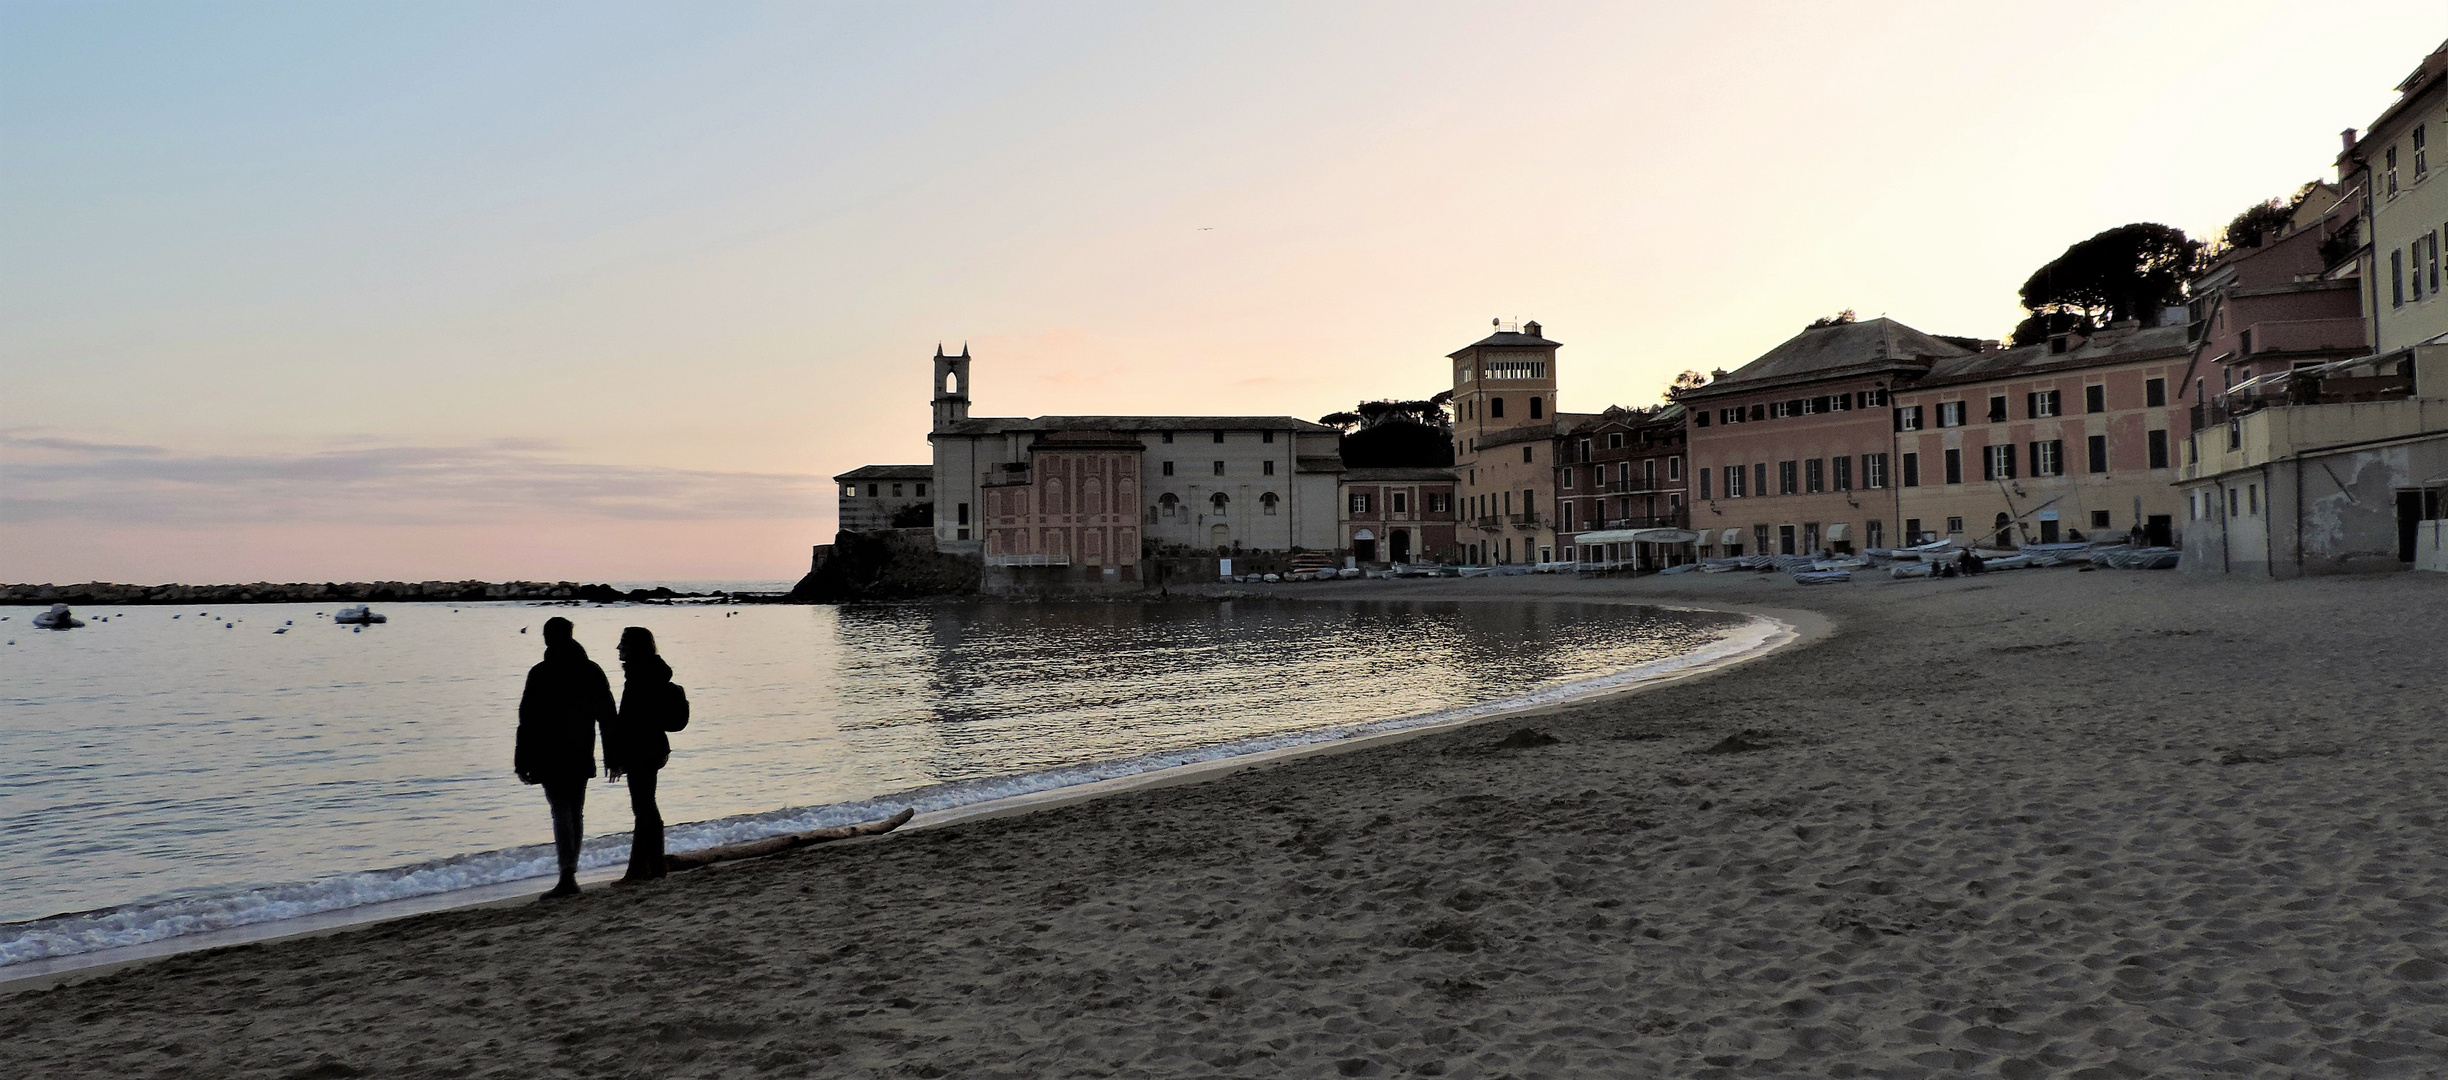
(567, 698)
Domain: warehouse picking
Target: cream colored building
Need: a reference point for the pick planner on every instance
(1504, 393)
(1213, 484)
(2399, 162)
(2037, 444)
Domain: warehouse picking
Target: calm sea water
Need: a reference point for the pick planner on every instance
(168, 770)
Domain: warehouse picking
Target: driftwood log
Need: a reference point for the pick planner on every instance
(691, 860)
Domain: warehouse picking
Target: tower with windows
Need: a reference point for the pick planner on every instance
(951, 387)
(1504, 398)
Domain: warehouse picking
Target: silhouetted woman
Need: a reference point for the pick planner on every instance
(567, 697)
(637, 747)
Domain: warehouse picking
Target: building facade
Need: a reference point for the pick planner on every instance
(2290, 301)
(2071, 439)
(1795, 451)
(1399, 516)
(1212, 484)
(874, 496)
(1504, 394)
(2397, 165)
(1623, 470)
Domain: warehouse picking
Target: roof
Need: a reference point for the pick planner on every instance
(2155, 342)
(1371, 476)
(1318, 463)
(888, 472)
(1506, 339)
(1856, 348)
(1522, 434)
(1001, 425)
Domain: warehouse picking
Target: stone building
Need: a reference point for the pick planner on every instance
(1504, 393)
(873, 495)
(2040, 443)
(1399, 515)
(1794, 452)
(1215, 484)
(1620, 487)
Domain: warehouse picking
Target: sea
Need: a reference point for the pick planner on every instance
(172, 771)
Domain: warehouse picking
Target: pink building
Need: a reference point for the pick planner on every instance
(1069, 510)
(2292, 301)
(1399, 515)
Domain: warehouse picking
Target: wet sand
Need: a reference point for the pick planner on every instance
(2042, 823)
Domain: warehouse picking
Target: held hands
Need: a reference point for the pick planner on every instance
(526, 777)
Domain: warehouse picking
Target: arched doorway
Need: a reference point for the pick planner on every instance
(1220, 538)
(1398, 546)
(1364, 545)
(2005, 531)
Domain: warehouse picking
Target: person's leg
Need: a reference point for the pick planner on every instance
(646, 843)
(568, 798)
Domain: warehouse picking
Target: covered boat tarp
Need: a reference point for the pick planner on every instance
(1822, 577)
(2133, 558)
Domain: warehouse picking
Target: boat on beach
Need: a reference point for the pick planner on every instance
(361, 615)
(57, 618)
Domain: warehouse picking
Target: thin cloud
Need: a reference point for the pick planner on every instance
(62, 480)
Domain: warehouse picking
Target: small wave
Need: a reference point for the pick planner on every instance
(142, 923)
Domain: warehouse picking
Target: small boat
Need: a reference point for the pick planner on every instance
(360, 615)
(57, 618)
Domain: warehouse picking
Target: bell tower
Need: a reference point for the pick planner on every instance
(951, 387)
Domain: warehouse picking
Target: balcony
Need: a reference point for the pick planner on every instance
(1526, 522)
(2306, 336)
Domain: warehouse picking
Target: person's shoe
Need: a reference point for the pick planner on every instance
(561, 891)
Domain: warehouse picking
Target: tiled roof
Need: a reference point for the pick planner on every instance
(1856, 348)
(1506, 339)
(999, 425)
(888, 472)
(2111, 348)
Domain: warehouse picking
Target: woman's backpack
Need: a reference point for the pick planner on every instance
(675, 707)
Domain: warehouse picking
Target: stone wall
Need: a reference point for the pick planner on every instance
(889, 564)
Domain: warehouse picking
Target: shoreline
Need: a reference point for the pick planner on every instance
(1762, 635)
(2026, 824)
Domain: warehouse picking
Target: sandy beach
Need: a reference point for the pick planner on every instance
(2033, 824)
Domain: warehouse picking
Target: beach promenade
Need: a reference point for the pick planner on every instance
(2046, 823)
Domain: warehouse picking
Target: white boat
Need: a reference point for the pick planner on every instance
(57, 618)
(361, 615)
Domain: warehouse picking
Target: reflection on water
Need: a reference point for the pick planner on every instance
(181, 753)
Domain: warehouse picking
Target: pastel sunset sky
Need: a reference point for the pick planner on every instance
(606, 291)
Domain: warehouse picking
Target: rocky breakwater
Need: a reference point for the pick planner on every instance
(265, 592)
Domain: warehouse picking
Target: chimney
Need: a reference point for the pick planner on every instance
(2346, 140)
(1532, 328)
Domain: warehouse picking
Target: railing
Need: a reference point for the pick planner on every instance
(1028, 560)
(1528, 520)
(1648, 521)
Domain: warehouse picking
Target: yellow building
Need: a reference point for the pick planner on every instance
(2398, 162)
(1504, 392)
(2037, 444)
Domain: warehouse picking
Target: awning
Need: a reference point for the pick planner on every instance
(1732, 536)
(1836, 532)
(1364, 534)
(1637, 536)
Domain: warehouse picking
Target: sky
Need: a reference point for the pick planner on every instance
(605, 291)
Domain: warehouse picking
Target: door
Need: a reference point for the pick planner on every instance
(2160, 530)
(2005, 531)
(1364, 550)
(2409, 517)
(1785, 539)
(1400, 543)
(2048, 530)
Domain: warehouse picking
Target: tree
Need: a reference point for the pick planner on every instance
(1825, 321)
(1426, 412)
(1689, 380)
(2258, 222)
(2128, 272)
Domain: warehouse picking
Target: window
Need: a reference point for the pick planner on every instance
(1267, 468)
(1704, 483)
(1674, 468)
(1496, 408)
(1998, 462)
(1840, 402)
(2048, 457)
(1908, 418)
(1526, 455)
(1701, 418)
(2154, 393)
(871, 490)
(1912, 476)
(1734, 482)
(2414, 259)
(1776, 410)
(1787, 476)
(1567, 476)
(1814, 476)
(1219, 468)
(1538, 408)
(1874, 533)
(849, 491)
(1648, 474)
(1266, 436)
(2431, 260)
(896, 491)
(1168, 504)
(1266, 502)
(1614, 440)
(2099, 519)
(1758, 412)
(1759, 477)
(2096, 449)
(1954, 525)
(1168, 468)
(1871, 399)
(1564, 514)
(1401, 502)
(1843, 469)
(1954, 466)
(964, 513)
(2422, 159)
(922, 491)
(2040, 404)
(1359, 502)
(1219, 436)
(2396, 279)
(1440, 503)
(1217, 504)
(2252, 499)
(2095, 398)
(1997, 408)
(2389, 169)
(1912, 530)
(2158, 449)
(1950, 414)
(1168, 436)
(1759, 535)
